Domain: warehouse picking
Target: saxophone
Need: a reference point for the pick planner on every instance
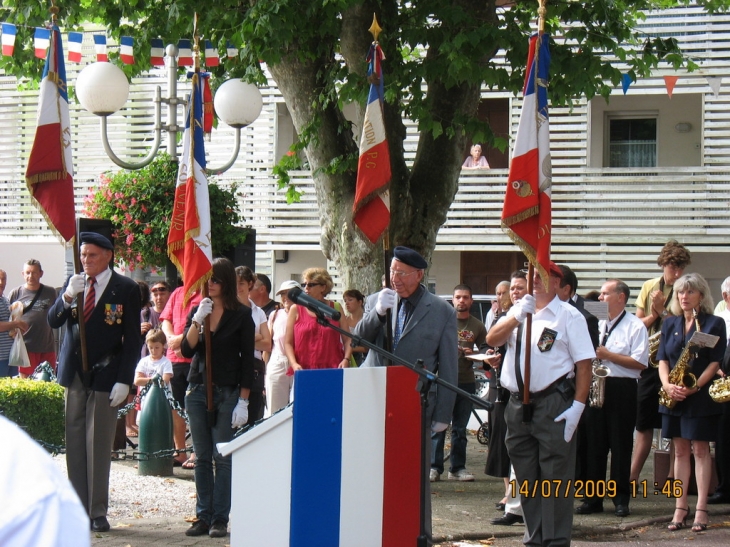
(598, 383)
(680, 374)
(654, 341)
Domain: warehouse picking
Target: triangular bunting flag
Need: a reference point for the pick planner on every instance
(126, 50)
(100, 47)
(715, 82)
(75, 39)
(185, 54)
(41, 41)
(157, 53)
(9, 32)
(626, 81)
(670, 82)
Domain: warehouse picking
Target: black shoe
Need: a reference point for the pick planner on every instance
(622, 510)
(100, 524)
(218, 530)
(718, 497)
(508, 520)
(587, 508)
(199, 528)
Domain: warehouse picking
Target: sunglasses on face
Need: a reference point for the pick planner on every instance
(310, 285)
(215, 281)
(158, 290)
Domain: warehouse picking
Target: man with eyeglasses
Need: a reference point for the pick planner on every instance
(260, 294)
(424, 327)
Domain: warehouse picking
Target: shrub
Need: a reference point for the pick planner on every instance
(36, 406)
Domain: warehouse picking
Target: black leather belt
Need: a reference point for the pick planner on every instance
(534, 396)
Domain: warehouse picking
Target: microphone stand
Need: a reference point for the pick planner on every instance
(425, 379)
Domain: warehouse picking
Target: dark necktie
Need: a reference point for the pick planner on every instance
(90, 299)
(400, 323)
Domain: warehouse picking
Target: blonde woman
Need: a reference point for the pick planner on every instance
(308, 344)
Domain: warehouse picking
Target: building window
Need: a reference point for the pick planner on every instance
(632, 142)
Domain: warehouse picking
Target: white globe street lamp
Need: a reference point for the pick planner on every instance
(102, 89)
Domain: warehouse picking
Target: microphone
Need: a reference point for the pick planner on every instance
(297, 296)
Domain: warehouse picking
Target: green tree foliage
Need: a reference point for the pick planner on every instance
(439, 55)
(139, 204)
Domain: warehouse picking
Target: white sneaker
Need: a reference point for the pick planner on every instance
(461, 475)
(435, 476)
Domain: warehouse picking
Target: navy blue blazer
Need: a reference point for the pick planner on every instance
(113, 330)
(670, 348)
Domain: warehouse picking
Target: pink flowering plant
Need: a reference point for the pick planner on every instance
(139, 204)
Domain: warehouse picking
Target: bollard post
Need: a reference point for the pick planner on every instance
(155, 432)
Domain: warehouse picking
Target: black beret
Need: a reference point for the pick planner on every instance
(410, 257)
(96, 239)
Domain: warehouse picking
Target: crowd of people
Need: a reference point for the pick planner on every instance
(594, 386)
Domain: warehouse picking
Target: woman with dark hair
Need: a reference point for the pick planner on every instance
(692, 418)
(308, 344)
(355, 307)
(232, 347)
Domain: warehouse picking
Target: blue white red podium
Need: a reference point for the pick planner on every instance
(338, 468)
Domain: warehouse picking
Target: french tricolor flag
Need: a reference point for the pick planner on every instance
(211, 55)
(231, 50)
(41, 40)
(185, 53)
(344, 471)
(100, 47)
(75, 40)
(9, 32)
(126, 50)
(157, 54)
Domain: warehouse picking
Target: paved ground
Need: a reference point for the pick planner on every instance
(461, 516)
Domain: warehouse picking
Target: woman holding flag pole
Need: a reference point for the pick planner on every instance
(546, 400)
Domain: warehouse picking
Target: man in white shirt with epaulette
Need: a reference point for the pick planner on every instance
(540, 436)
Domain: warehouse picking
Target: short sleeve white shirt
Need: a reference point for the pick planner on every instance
(629, 337)
(259, 318)
(571, 344)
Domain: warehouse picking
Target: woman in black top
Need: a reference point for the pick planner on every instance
(693, 420)
(232, 341)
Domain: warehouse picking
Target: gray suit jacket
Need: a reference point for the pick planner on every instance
(430, 334)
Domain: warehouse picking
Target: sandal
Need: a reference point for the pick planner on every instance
(678, 525)
(189, 464)
(699, 526)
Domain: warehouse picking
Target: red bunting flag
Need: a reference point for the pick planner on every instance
(670, 82)
(372, 199)
(49, 175)
(527, 212)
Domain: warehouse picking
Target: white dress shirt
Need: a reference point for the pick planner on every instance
(628, 338)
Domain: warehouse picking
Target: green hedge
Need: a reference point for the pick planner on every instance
(35, 406)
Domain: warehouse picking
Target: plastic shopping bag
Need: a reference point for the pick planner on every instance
(18, 353)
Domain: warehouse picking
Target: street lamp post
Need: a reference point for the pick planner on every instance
(102, 89)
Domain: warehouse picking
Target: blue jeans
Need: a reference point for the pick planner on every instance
(213, 489)
(5, 370)
(459, 420)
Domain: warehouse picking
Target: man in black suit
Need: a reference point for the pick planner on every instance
(111, 314)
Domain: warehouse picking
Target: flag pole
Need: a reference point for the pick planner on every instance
(526, 403)
(204, 288)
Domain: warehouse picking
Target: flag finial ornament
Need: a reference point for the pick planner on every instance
(375, 29)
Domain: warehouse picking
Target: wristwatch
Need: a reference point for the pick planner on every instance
(664, 314)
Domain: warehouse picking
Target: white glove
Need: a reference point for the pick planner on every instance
(75, 286)
(240, 414)
(118, 394)
(438, 427)
(522, 307)
(571, 417)
(386, 301)
(204, 310)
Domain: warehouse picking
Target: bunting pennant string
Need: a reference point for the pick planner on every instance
(626, 81)
(41, 41)
(211, 55)
(714, 82)
(126, 50)
(185, 53)
(158, 52)
(670, 82)
(8, 40)
(231, 50)
(100, 47)
(75, 39)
